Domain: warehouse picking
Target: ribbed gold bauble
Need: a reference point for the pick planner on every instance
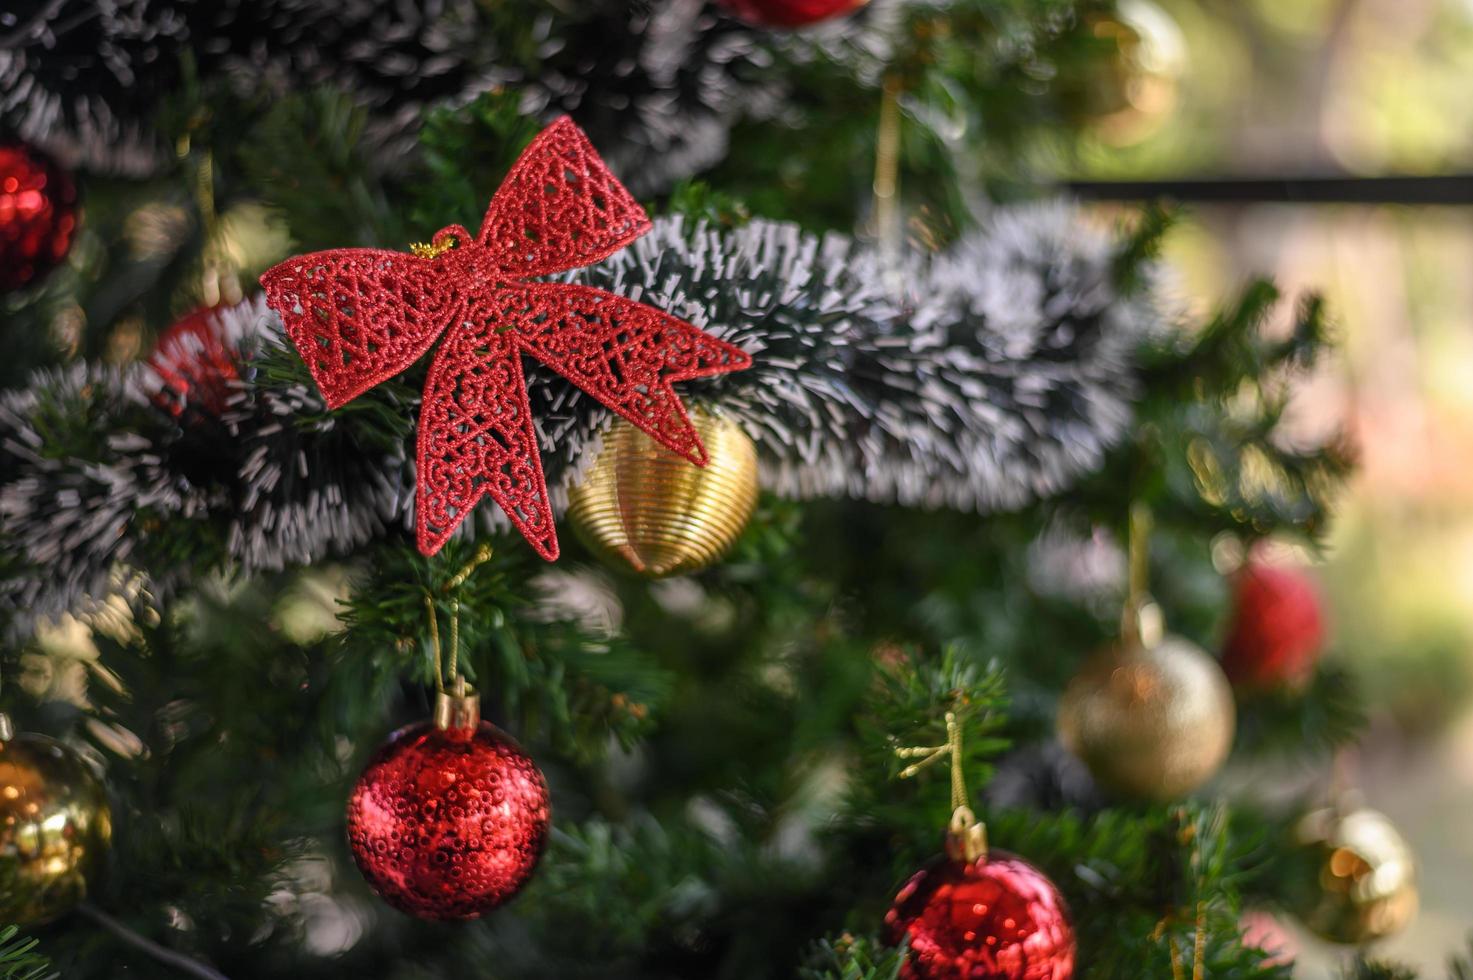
(645, 508)
(1365, 876)
(1150, 721)
(55, 827)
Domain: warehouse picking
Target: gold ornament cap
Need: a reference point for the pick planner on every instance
(459, 709)
(966, 836)
(1142, 624)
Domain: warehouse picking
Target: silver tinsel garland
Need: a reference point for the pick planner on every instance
(86, 79)
(275, 477)
(658, 85)
(983, 378)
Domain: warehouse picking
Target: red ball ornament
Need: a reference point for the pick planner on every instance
(196, 363)
(789, 13)
(449, 818)
(1277, 629)
(38, 215)
(997, 918)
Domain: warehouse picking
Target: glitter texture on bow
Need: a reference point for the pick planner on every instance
(360, 316)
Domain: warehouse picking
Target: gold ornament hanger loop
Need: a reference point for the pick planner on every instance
(445, 239)
(1141, 623)
(460, 706)
(966, 836)
(7, 730)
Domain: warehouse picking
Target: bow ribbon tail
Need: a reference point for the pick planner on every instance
(477, 439)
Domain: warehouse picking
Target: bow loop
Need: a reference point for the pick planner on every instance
(559, 208)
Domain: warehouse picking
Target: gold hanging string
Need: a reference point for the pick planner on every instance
(434, 641)
(204, 189)
(966, 835)
(887, 174)
(220, 283)
(219, 279)
(1140, 621)
(931, 754)
(1199, 952)
(455, 640)
(1342, 780)
(1140, 554)
(1176, 972)
(6, 730)
(1199, 942)
(451, 587)
(482, 555)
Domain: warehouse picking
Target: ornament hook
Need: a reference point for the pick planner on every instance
(1141, 623)
(460, 707)
(966, 836)
(7, 730)
(445, 239)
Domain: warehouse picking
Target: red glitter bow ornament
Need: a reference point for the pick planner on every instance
(358, 316)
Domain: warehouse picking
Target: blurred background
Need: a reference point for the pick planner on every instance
(1268, 88)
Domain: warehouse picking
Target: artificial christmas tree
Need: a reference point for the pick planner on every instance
(250, 507)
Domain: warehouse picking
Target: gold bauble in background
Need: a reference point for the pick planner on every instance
(1134, 91)
(55, 827)
(1152, 721)
(645, 508)
(1365, 879)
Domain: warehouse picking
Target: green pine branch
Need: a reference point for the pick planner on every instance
(909, 702)
(20, 957)
(560, 683)
(851, 957)
(1327, 714)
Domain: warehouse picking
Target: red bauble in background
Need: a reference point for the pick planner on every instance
(996, 917)
(448, 823)
(38, 215)
(789, 13)
(1277, 629)
(196, 363)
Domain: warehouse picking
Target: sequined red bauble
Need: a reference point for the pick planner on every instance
(997, 918)
(1277, 629)
(789, 13)
(196, 364)
(38, 215)
(448, 824)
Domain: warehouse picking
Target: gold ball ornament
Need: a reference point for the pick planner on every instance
(644, 508)
(1364, 885)
(1138, 85)
(55, 827)
(1151, 718)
